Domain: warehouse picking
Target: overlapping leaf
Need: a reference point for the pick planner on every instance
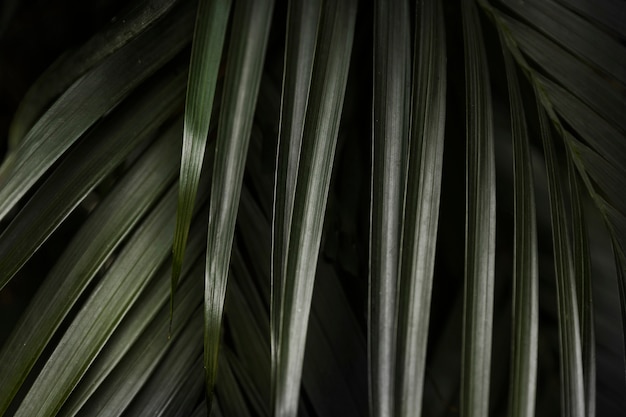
(139, 16)
(390, 140)
(107, 226)
(206, 55)
(330, 70)
(88, 99)
(87, 165)
(522, 392)
(480, 221)
(243, 74)
(421, 210)
(572, 385)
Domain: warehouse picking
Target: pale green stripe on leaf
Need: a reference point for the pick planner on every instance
(480, 222)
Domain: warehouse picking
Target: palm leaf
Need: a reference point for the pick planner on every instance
(572, 393)
(241, 86)
(109, 224)
(139, 16)
(302, 26)
(87, 165)
(390, 144)
(117, 375)
(480, 222)
(522, 392)
(206, 53)
(78, 108)
(321, 126)
(421, 211)
(88, 209)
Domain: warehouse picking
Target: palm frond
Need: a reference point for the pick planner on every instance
(351, 267)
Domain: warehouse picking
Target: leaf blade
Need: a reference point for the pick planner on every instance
(572, 385)
(421, 212)
(78, 108)
(522, 392)
(318, 145)
(302, 26)
(246, 54)
(108, 225)
(480, 222)
(206, 53)
(87, 165)
(389, 146)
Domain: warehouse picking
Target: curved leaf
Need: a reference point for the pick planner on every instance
(330, 70)
(106, 227)
(421, 211)
(102, 312)
(390, 139)
(81, 171)
(480, 222)
(572, 385)
(69, 67)
(243, 74)
(206, 54)
(522, 392)
(88, 99)
(302, 26)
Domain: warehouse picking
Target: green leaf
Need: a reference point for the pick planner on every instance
(590, 44)
(232, 400)
(302, 26)
(522, 392)
(69, 67)
(611, 179)
(243, 73)
(105, 228)
(89, 163)
(421, 211)
(136, 347)
(175, 387)
(480, 222)
(582, 270)
(103, 311)
(572, 385)
(130, 375)
(607, 13)
(87, 100)
(599, 135)
(574, 75)
(392, 64)
(206, 53)
(330, 70)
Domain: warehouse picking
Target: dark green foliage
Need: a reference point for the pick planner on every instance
(388, 208)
